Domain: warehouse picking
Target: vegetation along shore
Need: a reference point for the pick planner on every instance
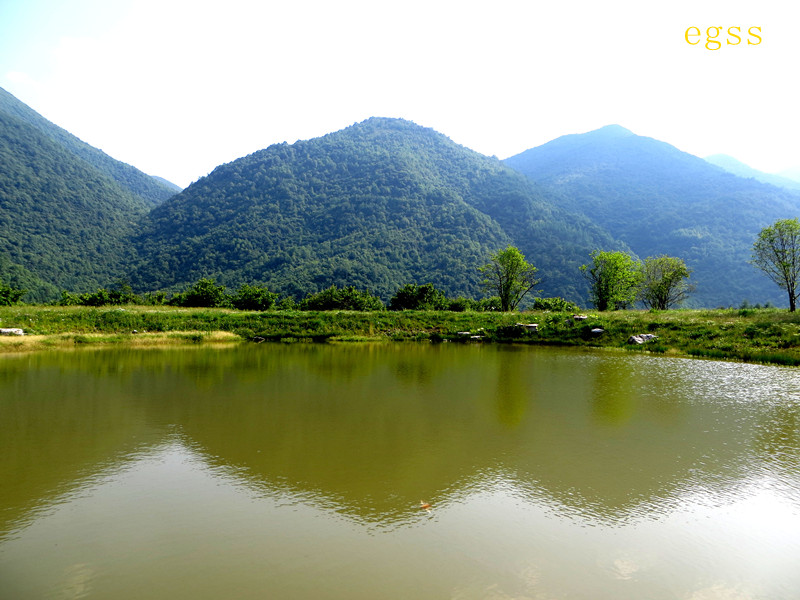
(766, 335)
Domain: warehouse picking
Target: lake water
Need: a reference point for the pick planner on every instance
(298, 471)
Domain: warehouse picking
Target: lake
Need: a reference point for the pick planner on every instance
(300, 471)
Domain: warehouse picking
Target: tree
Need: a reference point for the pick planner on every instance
(664, 282)
(251, 297)
(346, 298)
(204, 293)
(10, 295)
(614, 279)
(418, 297)
(510, 276)
(776, 251)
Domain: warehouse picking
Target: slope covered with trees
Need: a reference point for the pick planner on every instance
(63, 223)
(378, 205)
(153, 190)
(659, 200)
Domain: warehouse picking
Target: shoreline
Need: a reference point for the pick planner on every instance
(770, 336)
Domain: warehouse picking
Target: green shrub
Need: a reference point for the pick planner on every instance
(418, 297)
(203, 294)
(249, 297)
(487, 304)
(347, 298)
(10, 295)
(555, 305)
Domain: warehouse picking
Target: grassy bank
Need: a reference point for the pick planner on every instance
(763, 335)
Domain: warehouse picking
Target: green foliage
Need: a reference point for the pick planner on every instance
(373, 206)
(120, 293)
(460, 304)
(347, 298)
(555, 305)
(776, 252)
(509, 275)
(664, 282)
(10, 295)
(418, 297)
(250, 297)
(655, 199)
(204, 293)
(614, 278)
(492, 304)
(62, 222)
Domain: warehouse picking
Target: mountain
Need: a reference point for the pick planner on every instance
(659, 200)
(377, 205)
(153, 190)
(731, 165)
(64, 224)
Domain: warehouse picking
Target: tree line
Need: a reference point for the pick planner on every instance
(617, 281)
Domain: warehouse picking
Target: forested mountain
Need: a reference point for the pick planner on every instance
(63, 223)
(659, 200)
(731, 165)
(153, 190)
(377, 205)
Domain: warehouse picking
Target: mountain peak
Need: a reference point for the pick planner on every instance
(612, 131)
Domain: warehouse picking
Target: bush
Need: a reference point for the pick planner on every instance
(555, 305)
(487, 304)
(203, 294)
(120, 293)
(249, 297)
(460, 304)
(347, 298)
(418, 297)
(10, 295)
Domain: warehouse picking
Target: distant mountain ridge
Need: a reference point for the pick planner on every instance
(660, 200)
(377, 205)
(731, 165)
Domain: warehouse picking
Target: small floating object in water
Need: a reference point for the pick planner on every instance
(424, 506)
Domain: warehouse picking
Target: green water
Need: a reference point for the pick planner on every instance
(297, 471)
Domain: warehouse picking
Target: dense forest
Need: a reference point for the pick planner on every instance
(376, 206)
(67, 211)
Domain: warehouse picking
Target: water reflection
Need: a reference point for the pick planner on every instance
(538, 463)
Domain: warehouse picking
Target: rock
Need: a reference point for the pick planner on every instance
(598, 331)
(642, 338)
(11, 331)
(529, 327)
(580, 317)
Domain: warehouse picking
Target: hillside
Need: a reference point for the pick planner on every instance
(153, 190)
(659, 200)
(379, 204)
(63, 223)
(731, 165)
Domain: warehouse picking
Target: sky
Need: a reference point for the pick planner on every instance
(178, 87)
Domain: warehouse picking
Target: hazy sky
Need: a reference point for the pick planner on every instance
(177, 87)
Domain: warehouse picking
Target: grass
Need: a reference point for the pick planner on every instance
(763, 335)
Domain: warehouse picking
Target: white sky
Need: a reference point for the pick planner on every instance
(177, 87)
